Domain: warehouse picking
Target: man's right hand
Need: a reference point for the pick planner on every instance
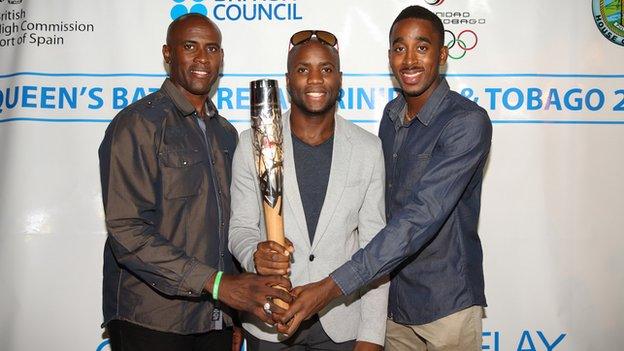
(309, 300)
(249, 292)
(272, 258)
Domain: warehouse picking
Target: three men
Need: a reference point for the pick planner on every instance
(435, 145)
(165, 165)
(333, 205)
(165, 176)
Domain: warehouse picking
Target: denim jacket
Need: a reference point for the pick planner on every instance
(430, 246)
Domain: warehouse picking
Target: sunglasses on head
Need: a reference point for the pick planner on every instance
(306, 35)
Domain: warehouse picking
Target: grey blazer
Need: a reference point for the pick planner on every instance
(352, 214)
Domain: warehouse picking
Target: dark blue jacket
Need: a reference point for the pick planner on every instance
(430, 246)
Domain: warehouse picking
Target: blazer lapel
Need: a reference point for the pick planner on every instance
(292, 198)
(338, 175)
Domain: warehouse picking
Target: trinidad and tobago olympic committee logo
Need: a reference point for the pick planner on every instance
(459, 44)
(609, 17)
(460, 27)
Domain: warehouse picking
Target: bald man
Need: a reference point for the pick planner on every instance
(165, 165)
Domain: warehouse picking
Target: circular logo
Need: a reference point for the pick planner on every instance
(609, 17)
(434, 2)
(458, 45)
(181, 9)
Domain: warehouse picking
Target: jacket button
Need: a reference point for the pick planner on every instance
(311, 258)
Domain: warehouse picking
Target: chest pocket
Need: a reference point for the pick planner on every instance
(182, 173)
(414, 168)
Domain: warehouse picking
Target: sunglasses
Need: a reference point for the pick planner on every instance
(306, 35)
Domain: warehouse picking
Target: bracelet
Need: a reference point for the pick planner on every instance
(215, 287)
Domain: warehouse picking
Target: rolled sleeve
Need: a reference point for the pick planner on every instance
(193, 284)
(347, 278)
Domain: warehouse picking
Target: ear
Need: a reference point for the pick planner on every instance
(443, 55)
(166, 53)
(287, 80)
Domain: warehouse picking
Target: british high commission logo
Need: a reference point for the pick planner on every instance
(239, 10)
(461, 27)
(609, 17)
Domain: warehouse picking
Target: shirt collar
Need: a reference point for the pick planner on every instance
(182, 104)
(427, 113)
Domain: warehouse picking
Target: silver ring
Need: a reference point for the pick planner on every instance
(267, 308)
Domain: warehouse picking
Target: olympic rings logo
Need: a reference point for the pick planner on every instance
(459, 45)
(434, 2)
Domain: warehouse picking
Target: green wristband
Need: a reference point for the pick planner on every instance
(215, 287)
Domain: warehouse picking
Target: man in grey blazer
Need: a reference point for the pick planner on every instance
(333, 205)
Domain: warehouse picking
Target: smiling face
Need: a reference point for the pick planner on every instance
(314, 78)
(415, 57)
(194, 53)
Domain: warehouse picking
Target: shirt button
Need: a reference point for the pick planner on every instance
(212, 162)
(390, 185)
(395, 155)
(222, 254)
(311, 258)
(222, 224)
(184, 163)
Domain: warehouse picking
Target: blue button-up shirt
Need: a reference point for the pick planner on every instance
(430, 246)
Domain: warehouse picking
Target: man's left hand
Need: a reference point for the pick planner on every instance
(309, 300)
(366, 346)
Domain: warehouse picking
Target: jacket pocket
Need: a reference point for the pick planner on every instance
(182, 173)
(415, 168)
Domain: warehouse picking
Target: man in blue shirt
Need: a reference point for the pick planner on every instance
(435, 145)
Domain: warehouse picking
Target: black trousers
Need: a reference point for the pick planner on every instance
(126, 336)
(309, 336)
